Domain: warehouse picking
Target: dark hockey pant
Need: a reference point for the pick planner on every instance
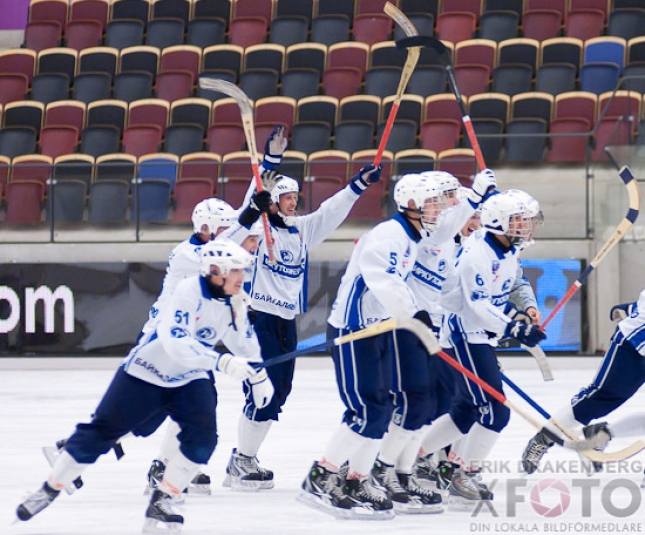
(130, 401)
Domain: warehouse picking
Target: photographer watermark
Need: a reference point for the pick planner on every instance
(547, 506)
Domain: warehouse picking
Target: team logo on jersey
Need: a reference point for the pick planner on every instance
(478, 294)
(206, 333)
(178, 332)
(495, 267)
(507, 285)
(442, 266)
(287, 256)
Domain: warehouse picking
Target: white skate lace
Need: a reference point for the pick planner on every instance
(37, 501)
(332, 486)
(367, 492)
(536, 452)
(163, 504)
(417, 489)
(391, 482)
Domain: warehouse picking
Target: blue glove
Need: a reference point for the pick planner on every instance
(366, 176)
(529, 335)
(620, 312)
(274, 147)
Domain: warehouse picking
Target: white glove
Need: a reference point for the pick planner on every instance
(237, 367)
(483, 186)
(261, 388)
(240, 305)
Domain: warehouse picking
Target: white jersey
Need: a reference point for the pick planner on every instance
(190, 323)
(374, 287)
(280, 289)
(434, 260)
(475, 295)
(633, 327)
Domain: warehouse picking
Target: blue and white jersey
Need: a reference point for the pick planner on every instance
(374, 286)
(280, 289)
(435, 260)
(633, 327)
(190, 323)
(475, 295)
(184, 261)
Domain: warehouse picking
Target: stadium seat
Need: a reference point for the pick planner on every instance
(525, 148)
(541, 24)
(341, 82)
(276, 110)
(191, 110)
(24, 202)
(247, 31)
(288, 30)
(149, 111)
(318, 108)
(108, 201)
(306, 56)
(499, 25)
(107, 112)
(455, 26)
(564, 146)
(66, 113)
(67, 203)
(439, 134)
(349, 54)
(329, 29)
(476, 52)
(43, 34)
(206, 32)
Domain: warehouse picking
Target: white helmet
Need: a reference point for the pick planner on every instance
(214, 213)
(513, 214)
(427, 194)
(257, 228)
(225, 255)
(284, 184)
(448, 181)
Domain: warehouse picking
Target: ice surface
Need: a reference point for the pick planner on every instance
(41, 400)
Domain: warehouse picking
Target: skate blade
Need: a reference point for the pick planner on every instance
(152, 526)
(242, 485)
(457, 503)
(414, 508)
(199, 490)
(322, 505)
(370, 514)
(51, 453)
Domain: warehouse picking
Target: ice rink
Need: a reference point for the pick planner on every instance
(41, 400)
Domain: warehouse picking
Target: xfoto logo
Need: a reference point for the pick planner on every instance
(551, 498)
(32, 297)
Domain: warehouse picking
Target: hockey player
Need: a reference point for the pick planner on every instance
(170, 370)
(620, 374)
(374, 289)
(415, 382)
(278, 295)
(212, 219)
(522, 305)
(474, 298)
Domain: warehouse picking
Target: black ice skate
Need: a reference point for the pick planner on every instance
(534, 451)
(160, 515)
(52, 453)
(442, 475)
(599, 434)
(323, 490)
(430, 501)
(369, 502)
(466, 491)
(155, 475)
(245, 473)
(36, 502)
(383, 476)
(200, 485)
